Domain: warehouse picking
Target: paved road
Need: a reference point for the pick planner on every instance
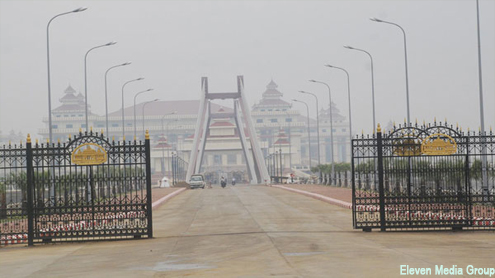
(252, 231)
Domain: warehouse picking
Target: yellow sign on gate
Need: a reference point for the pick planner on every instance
(89, 154)
(439, 144)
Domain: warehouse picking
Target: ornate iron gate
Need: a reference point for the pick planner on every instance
(424, 177)
(85, 189)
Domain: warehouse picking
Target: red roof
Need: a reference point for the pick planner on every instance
(222, 124)
(183, 107)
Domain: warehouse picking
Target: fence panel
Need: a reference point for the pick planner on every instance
(431, 177)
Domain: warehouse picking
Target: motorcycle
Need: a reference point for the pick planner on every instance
(233, 182)
(224, 183)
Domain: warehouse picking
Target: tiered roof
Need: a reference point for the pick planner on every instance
(71, 102)
(272, 98)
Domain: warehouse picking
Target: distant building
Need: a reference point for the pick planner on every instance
(171, 124)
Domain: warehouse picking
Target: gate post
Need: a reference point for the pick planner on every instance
(148, 184)
(30, 188)
(380, 178)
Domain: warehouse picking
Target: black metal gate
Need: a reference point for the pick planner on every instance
(85, 189)
(424, 177)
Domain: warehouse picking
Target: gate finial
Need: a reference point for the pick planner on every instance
(378, 128)
(147, 136)
(28, 140)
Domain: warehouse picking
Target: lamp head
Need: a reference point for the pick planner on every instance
(348, 47)
(140, 78)
(81, 9)
(330, 66)
(303, 92)
(111, 43)
(294, 99)
(375, 19)
(151, 89)
(126, 63)
(312, 80)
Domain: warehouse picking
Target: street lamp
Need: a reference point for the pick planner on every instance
(405, 56)
(106, 98)
(163, 152)
(123, 122)
(290, 141)
(484, 173)
(144, 105)
(331, 122)
(135, 96)
(372, 80)
(317, 123)
(86, 79)
(48, 68)
(309, 134)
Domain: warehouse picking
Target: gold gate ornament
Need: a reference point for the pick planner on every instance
(439, 144)
(89, 154)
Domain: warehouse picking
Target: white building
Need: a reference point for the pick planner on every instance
(172, 123)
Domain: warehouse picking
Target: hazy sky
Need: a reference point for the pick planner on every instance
(174, 43)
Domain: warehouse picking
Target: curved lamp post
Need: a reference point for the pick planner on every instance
(331, 122)
(86, 78)
(123, 121)
(106, 98)
(317, 123)
(135, 96)
(163, 130)
(372, 81)
(50, 132)
(405, 56)
(309, 134)
(144, 105)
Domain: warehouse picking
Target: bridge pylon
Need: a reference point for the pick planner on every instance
(257, 170)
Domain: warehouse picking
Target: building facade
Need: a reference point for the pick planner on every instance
(282, 132)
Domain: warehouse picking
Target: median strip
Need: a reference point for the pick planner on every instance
(318, 196)
(162, 200)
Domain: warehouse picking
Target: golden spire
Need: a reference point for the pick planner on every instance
(379, 128)
(113, 138)
(101, 131)
(435, 119)
(28, 140)
(91, 128)
(36, 141)
(69, 137)
(147, 136)
(58, 140)
(80, 130)
(123, 138)
(134, 138)
(47, 140)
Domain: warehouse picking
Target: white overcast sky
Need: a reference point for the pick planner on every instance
(174, 43)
